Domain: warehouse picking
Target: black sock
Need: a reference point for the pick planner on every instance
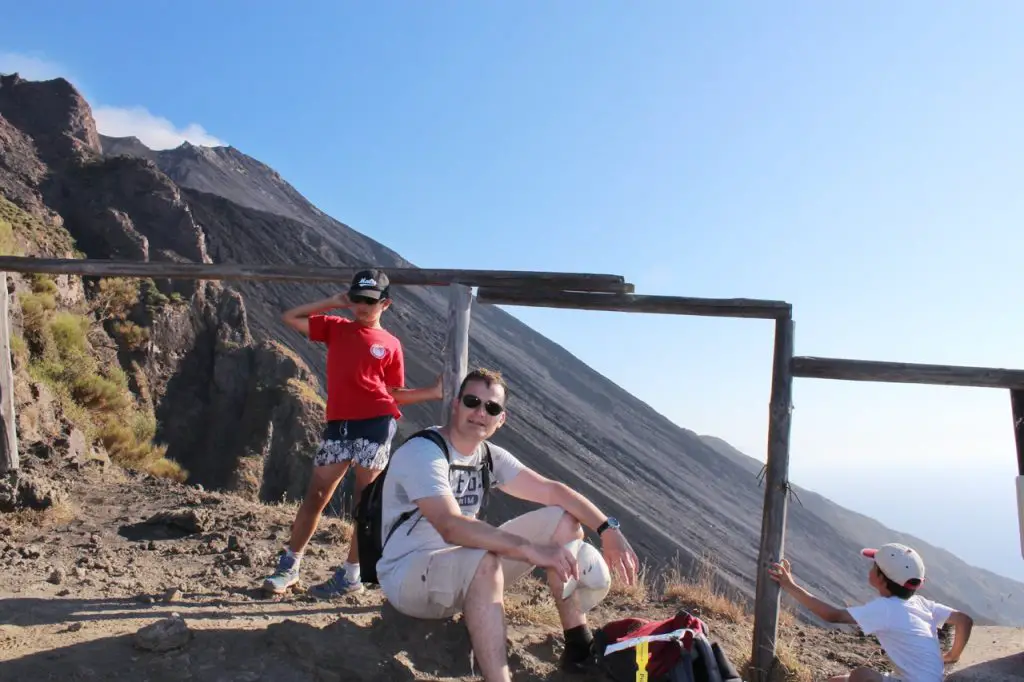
(577, 641)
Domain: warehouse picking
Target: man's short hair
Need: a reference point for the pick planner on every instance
(488, 376)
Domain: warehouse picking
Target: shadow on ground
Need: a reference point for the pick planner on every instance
(1006, 669)
(29, 611)
(388, 647)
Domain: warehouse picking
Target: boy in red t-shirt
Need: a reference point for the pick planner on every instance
(365, 386)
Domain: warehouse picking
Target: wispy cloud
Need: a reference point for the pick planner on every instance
(30, 67)
(156, 132)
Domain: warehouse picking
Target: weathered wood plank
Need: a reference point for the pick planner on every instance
(8, 434)
(456, 355)
(309, 273)
(1017, 410)
(776, 497)
(635, 303)
(906, 373)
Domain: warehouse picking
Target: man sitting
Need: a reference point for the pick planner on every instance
(440, 559)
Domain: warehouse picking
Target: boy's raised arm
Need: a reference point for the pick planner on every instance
(298, 318)
(780, 573)
(411, 396)
(962, 625)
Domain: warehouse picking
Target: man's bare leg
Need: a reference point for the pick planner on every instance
(567, 530)
(484, 611)
(578, 637)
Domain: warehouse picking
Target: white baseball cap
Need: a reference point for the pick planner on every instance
(595, 579)
(899, 563)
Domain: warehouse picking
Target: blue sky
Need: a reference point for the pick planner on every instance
(860, 160)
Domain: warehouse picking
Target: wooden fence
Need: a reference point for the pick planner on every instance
(581, 291)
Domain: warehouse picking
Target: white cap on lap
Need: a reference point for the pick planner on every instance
(595, 578)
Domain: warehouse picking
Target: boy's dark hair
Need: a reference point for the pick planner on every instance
(895, 589)
(488, 376)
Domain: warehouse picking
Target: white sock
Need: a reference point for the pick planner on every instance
(295, 555)
(351, 572)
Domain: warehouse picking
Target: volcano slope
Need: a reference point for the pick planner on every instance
(678, 497)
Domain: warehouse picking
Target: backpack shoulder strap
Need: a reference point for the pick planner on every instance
(486, 473)
(438, 440)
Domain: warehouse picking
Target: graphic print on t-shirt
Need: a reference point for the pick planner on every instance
(467, 487)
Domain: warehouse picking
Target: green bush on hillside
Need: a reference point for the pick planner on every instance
(57, 351)
(98, 401)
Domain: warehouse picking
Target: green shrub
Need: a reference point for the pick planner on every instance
(56, 350)
(8, 243)
(132, 335)
(99, 393)
(70, 336)
(115, 297)
(46, 239)
(144, 426)
(155, 298)
(35, 309)
(19, 350)
(43, 284)
(98, 402)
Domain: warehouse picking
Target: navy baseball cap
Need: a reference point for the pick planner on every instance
(371, 283)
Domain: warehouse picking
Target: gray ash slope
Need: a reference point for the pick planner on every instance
(677, 494)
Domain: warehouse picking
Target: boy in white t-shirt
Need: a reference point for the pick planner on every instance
(905, 623)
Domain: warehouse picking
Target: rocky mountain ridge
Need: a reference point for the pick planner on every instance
(678, 496)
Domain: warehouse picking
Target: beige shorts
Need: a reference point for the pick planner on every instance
(435, 582)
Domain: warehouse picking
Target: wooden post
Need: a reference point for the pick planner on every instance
(776, 494)
(456, 355)
(1017, 408)
(8, 435)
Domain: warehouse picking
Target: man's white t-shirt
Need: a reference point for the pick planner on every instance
(908, 632)
(419, 469)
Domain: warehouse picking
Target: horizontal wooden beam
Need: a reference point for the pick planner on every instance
(906, 373)
(633, 303)
(89, 267)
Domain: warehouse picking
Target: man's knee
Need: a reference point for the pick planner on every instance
(489, 572)
(567, 530)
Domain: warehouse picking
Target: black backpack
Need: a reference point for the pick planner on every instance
(619, 645)
(369, 509)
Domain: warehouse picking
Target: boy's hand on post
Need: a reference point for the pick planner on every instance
(439, 387)
(781, 574)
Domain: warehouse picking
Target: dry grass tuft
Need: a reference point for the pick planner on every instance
(699, 594)
(534, 606)
(637, 593)
(58, 514)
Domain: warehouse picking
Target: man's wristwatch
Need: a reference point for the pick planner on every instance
(610, 522)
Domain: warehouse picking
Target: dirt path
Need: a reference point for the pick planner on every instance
(122, 555)
(994, 654)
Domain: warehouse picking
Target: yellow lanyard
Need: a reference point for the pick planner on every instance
(642, 656)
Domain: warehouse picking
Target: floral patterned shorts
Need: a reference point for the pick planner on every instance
(367, 442)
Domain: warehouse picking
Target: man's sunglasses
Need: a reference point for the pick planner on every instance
(473, 402)
(363, 299)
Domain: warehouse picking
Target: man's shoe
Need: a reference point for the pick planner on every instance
(336, 586)
(286, 575)
(577, 661)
